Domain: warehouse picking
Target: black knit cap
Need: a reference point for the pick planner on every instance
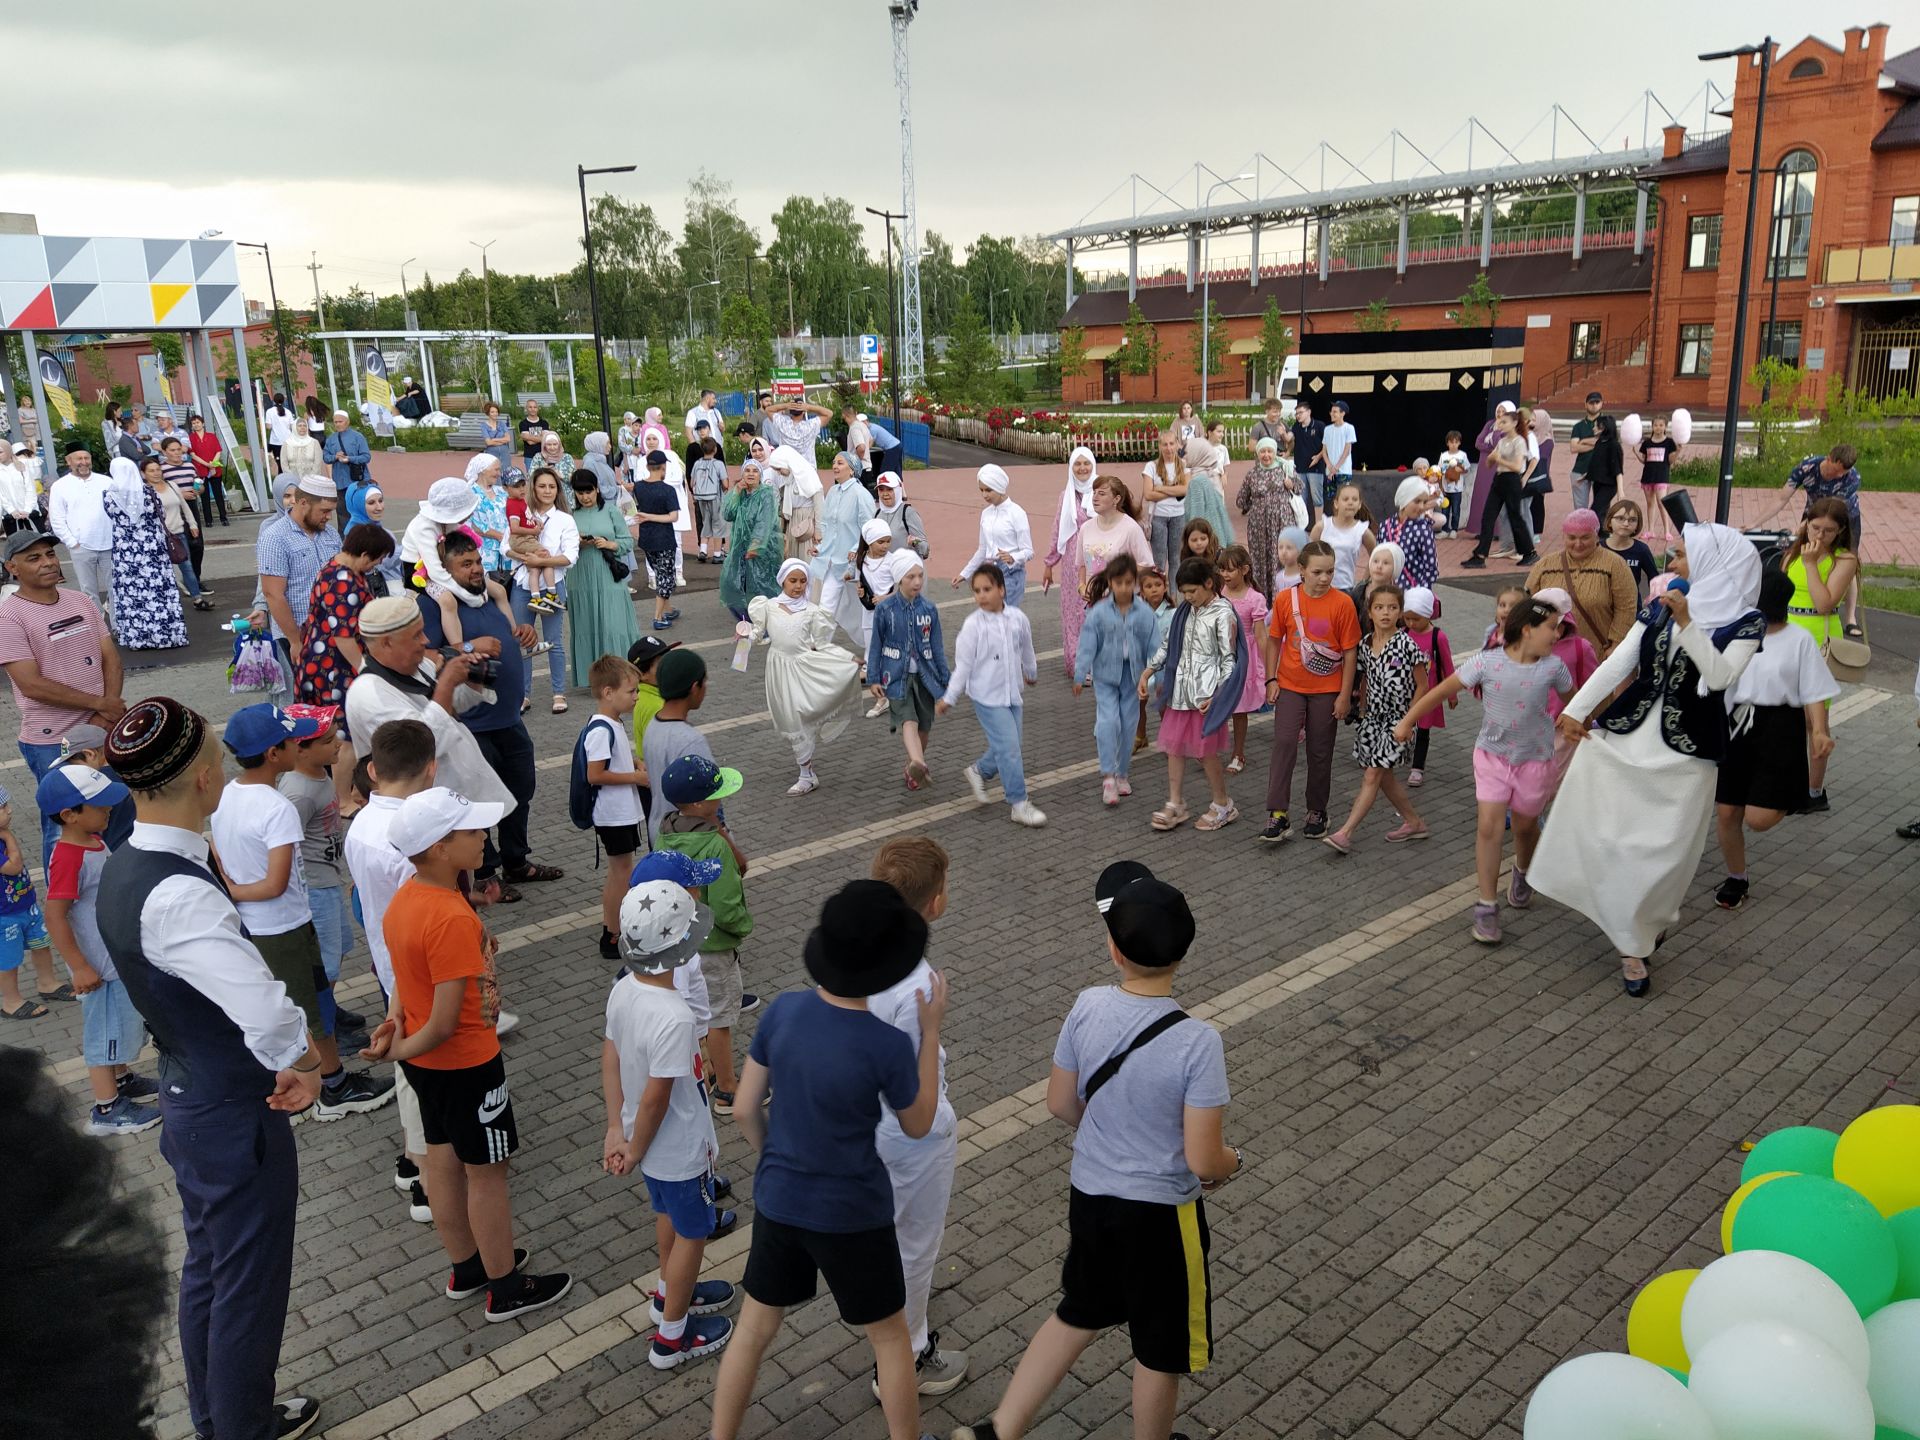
(155, 742)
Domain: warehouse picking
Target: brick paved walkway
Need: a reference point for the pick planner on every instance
(1463, 1161)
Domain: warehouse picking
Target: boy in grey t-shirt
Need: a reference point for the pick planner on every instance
(323, 859)
(708, 480)
(1131, 1071)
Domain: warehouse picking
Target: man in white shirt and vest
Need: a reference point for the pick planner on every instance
(77, 515)
(234, 1064)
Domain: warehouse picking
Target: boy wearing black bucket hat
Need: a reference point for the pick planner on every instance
(823, 1200)
(1145, 1088)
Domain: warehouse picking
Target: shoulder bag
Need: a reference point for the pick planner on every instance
(1848, 658)
(1317, 658)
(1146, 1037)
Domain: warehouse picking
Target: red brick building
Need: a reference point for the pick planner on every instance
(1650, 322)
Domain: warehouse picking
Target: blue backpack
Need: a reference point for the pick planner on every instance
(580, 794)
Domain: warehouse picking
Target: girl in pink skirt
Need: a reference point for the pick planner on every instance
(1206, 659)
(1236, 585)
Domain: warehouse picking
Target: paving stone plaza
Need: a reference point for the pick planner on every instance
(1462, 1161)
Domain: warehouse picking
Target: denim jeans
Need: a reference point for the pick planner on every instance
(333, 924)
(1016, 584)
(40, 759)
(1002, 726)
(1163, 534)
(1116, 710)
(552, 628)
(189, 579)
(1316, 492)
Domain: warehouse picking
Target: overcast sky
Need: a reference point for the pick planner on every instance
(375, 133)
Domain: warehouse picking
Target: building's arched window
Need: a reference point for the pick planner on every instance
(1807, 69)
(1792, 233)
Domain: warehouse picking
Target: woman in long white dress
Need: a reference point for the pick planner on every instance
(813, 686)
(1624, 837)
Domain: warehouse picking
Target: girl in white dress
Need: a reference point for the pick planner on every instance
(813, 685)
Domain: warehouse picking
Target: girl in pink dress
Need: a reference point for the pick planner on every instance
(1236, 585)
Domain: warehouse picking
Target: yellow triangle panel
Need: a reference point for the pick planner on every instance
(165, 297)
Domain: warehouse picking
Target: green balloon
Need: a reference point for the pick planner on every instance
(1679, 1375)
(1906, 1241)
(1799, 1149)
(1831, 1226)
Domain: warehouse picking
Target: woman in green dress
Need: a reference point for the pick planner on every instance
(752, 513)
(599, 610)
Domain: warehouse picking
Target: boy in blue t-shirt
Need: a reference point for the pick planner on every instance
(823, 1198)
(658, 508)
(1145, 1087)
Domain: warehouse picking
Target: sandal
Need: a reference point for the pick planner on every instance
(27, 1010)
(1236, 765)
(1217, 818)
(1854, 632)
(64, 994)
(907, 774)
(533, 873)
(559, 704)
(203, 604)
(1169, 817)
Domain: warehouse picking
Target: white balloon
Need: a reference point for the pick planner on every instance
(1767, 1285)
(1614, 1397)
(1631, 431)
(1893, 1379)
(1768, 1381)
(1680, 426)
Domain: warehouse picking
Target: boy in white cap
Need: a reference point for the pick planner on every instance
(657, 1117)
(440, 1028)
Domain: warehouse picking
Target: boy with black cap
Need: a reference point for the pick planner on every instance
(1142, 1155)
(657, 1117)
(823, 1201)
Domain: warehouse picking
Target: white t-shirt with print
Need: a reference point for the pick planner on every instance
(612, 804)
(252, 822)
(652, 1033)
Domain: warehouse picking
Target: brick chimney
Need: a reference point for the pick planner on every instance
(1673, 140)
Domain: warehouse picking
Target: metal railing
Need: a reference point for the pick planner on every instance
(1630, 349)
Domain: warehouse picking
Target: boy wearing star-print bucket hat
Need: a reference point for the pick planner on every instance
(657, 1116)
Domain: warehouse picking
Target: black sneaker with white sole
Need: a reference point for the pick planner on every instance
(533, 1292)
(749, 1002)
(1316, 825)
(1279, 830)
(355, 1095)
(417, 1207)
(348, 1019)
(294, 1417)
(405, 1172)
(469, 1278)
(1732, 894)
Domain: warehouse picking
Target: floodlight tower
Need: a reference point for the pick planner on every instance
(910, 366)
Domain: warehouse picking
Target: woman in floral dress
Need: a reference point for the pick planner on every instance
(329, 655)
(146, 602)
(489, 518)
(752, 512)
(1267, 499)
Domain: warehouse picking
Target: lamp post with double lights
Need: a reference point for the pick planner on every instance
(593, 289)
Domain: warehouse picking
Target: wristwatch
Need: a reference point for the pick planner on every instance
(466, 647)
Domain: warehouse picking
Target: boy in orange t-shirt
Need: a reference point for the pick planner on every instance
(1312, 643)
(440, 1029)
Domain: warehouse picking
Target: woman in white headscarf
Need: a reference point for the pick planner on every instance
(1076, 508)
(798, 481)
(1206, 489)
(813, 685)
(146, 603)
(1006, 539)
(1624, 838)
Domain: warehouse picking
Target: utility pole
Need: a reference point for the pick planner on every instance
(486, 277)
(314, 268)
(279, 321)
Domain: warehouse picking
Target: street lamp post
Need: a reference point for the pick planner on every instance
(593, 289)
(486, 276)
(1006, 290)
(1206, 290)
(1723, 501)
(279, 324)
(887, 217)
(406, 296)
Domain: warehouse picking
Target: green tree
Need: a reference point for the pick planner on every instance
(1478, 307)
(1215, 349)
(1376, 319)
(715, 244)
(824, 245)
(1276, 343)
(1139, 344)
(1071, 358)
(658, 378)
(746, 334)
(969, 369)
(634, 274)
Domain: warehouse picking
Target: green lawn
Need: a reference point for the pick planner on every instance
(1903, 597)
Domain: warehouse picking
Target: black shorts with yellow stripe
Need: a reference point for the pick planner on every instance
(1143, 1265)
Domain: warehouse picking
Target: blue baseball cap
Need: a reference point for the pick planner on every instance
(68, 787)
(693, 778)
(258, 728)
(656, 459)
(682, 870)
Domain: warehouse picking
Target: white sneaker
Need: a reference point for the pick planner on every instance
(805, 785)
(505, 1023)
(1026, 813)
(977, 785)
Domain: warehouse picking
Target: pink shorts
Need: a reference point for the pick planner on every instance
(1523, 787)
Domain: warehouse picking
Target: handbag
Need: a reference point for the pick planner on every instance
(1847, 659)
(176, 549)
(619, 567)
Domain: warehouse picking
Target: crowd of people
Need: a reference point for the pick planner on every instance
(393, 793)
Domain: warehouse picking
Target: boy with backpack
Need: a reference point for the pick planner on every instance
(603, 791)
(1142, 1155)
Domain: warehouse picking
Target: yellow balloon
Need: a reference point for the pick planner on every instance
(1739, 1199)
(1653, 1324)
(1879, 1155)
